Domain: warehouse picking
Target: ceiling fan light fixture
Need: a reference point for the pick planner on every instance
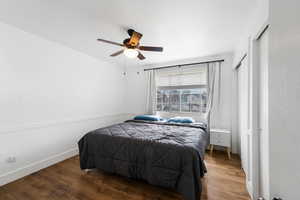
(131, 53)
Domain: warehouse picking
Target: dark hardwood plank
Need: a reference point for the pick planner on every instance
(65, 181)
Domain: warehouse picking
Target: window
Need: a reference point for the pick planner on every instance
(188, 99)
(182, 90)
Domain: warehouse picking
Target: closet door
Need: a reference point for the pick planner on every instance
(243, 114)
(263, 116)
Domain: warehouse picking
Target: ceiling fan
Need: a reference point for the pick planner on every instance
(132, 46)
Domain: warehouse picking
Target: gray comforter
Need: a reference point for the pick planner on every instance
(162, 154)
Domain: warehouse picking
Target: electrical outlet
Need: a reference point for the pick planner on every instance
(11, 159)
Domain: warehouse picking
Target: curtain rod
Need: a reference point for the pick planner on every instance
(187, 64)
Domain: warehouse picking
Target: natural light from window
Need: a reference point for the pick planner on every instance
(182, 100)
(182, 90)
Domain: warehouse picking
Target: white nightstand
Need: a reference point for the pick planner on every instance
(220, 137)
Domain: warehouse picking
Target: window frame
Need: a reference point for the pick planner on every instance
(180, 87)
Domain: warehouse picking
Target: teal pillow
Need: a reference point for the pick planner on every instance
(186, 120)
(148, 118)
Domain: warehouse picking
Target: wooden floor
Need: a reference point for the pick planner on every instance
(224, 181)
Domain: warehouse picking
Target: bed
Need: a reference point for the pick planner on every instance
(163, 154)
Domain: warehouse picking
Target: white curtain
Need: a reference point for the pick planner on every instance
(151, 92)
(212, 114)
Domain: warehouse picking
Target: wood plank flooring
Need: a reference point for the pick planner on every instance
(65, 181)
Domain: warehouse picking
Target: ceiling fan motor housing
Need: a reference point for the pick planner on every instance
(130, 32)
(127, 44)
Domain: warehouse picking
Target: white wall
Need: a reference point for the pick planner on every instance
(252, 27)
(137, 92)
(284, 98)
(50, 95)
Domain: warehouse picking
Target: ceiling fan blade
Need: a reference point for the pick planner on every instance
(149, 48)
(141, 56)
(110, 42)
(117, 53)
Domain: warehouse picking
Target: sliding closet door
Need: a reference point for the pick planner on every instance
(263, 116)
(243, 113)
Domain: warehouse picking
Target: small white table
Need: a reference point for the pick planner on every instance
(220, 137)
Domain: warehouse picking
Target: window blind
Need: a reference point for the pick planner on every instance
(185, 76)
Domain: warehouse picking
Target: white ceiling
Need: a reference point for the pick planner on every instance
(185, 28)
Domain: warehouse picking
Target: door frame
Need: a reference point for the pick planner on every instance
(253, 186)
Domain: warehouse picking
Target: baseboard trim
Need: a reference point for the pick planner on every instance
(36, 166)
(249, 188)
